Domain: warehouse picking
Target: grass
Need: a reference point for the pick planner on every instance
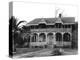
(26, 50)
(41, 51)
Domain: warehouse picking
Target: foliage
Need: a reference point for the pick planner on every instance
(16, 31)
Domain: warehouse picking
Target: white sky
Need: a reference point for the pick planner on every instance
(29, 11)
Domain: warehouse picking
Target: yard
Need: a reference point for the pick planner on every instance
(35, 52)
(26, 50)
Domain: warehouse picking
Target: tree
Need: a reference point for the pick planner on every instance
(16, 31)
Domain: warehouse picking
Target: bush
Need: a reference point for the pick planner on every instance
(57, 52)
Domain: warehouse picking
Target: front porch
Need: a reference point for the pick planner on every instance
(50, 39)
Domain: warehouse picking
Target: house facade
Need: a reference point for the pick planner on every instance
(50, 32)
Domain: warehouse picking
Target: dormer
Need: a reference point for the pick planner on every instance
(42, 21)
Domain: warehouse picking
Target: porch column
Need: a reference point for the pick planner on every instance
(54, 41)
(30, 40)
(71, 39)
(46, 36)
(38, 37)
(70, 36)
(62, 38)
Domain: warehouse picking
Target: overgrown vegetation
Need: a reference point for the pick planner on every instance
(19, 34)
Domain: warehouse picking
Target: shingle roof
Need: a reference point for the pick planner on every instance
(52, 20)
(68, 19)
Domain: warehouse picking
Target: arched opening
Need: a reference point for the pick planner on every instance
(58, 37)
(66, 37)
(50, 37)
(34, 37)
(42, 37)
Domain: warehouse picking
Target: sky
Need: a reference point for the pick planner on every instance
(29, 10)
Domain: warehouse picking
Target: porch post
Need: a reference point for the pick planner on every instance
(45, 38)
(38, 37)
(70, 40)
(30, 41)
(62, 39)
(54, 41)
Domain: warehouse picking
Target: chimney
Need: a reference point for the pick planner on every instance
(60, 15)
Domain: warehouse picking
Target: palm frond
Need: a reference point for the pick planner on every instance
(20, 22)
